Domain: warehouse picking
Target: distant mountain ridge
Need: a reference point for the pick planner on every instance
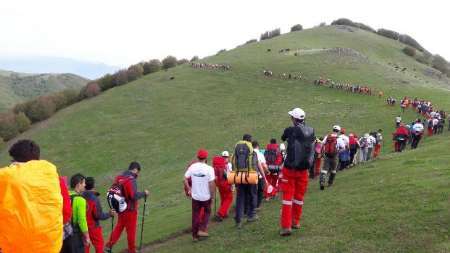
(39, 64)
(18, 87)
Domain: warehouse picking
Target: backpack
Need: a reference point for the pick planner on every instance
(116, 197)
(364, 142)
(244, 158)
(330, 145)
(271, 156)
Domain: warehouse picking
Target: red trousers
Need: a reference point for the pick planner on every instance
(377, 150)
(127, 220)
(96, 236)
(430, 131)
(273, 180)
(317, 166)
(293, 184)
(226, 199)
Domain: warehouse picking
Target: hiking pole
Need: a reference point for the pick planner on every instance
(142, 225)
(112, 229)
(215, 202)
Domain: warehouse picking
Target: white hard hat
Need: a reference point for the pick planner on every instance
(282, 147)
(225, 154)
(337, 128)
(297, 113)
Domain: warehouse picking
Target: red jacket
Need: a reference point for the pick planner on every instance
(275, 146)
(128, 180)
(219, 164)
(67, 207)
(94, 213)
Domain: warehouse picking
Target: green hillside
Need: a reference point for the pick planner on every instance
(19, 87)
(162, 122)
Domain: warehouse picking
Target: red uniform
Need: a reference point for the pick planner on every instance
(127, 219)
(226, 193)
(272, 178)
(401, 132)
(94, 216)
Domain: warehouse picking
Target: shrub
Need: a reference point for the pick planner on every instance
(343, 21)
(2, 143)
(195, 58)
(134, 72)
(322, 24)
(72, 96)
(388, 33)
(251, 41)
(440, 64)
(8, 126)
(365, 27)
(40, 109)
(22, 107)
(408, 40)
(91, 89)
(152, 66)
(23, 123)
(270, 34)
(106, 82)
(182, 61)
(169, 62)
(409, 51)
(120, 78)
(296, 27)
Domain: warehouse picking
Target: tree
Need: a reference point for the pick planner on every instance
(91, 89)
(296, 27)
(343, 21)
(120, 78)
(72, 96)
(440, 64)
(23, 123)
(388, 33)
(408, 40)
(182, 61)
(195, 58)
(8, 126)
(152, 66)
(134, 72)
(40, 109)
(169, 62)
(409, 51)
(106, 82)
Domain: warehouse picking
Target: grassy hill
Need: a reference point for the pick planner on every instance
(19, 87)
(162, 122)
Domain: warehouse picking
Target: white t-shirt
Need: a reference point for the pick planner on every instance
(261, 159)
(344, 139)
(371, 141)
(229, 167)
(418, 127)
(201, 174)
(435, 122)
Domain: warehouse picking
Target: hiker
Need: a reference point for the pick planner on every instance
(30, 182)
(274, 159)
(417, 131)
(435, 124)
(344, 151)
(202, 193)
(262, 171)
(94, 215)
(67, 217)
(283, 150)
(378, 142)
(354, 145)
(317, 158)
(245, 160)
(226, 156)
(430, 127)
(330, 151)
(80, 238)
(220, 165)
(398, 120)
(364, 147)
(401, 136)
(127, 219)
(294, 178)
(371, 141)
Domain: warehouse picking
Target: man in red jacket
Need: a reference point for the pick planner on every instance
(401, 136)
(226, 194)
(128, 219)
(274, 160)
(94, 215)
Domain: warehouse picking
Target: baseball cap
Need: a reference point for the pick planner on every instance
(297, 113)
(225, 154)
(202, 154)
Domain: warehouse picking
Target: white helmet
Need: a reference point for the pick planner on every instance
(297, 113)
(337, 128)
(282, 147)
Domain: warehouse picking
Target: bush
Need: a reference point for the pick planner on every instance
(2, 143)
(296, 27)
(322, 24)
(409, 51)
(388, 33)
(135, 72)
(120, 78)
(408, 40)
(152, 66)
(195, 58)
(91, 89)
(72, 96)
(106, 82)
(169, 62)
(251, 41)
(343, 21)
(440, 64)
(365, 27)
(182, 61)
(270, 34)
(40, 109)
(23, 123)
(8, 126)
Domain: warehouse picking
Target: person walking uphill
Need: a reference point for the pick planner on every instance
(128, 218)
(80, 237)
(330, 151)
(30, 182)
(94, 215)
(202, 192)
(294, 174)
(220, 165)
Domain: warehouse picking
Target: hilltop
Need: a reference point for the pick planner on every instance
(163, 118)
(18, 87)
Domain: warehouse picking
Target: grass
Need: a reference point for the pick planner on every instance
(162, 122)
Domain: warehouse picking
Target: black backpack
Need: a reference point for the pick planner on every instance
(116, 198)
(271, 156)
(244, 158)
(300, 151)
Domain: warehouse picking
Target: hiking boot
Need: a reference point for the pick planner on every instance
(253, 219)
(203, 234)
(322, 187)
(239, 225)
(195, 239)
(108, 250)
(285, 232)
(217, 218)
(297, 226)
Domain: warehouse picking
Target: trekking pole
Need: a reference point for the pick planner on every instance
(142, 225)
(215, 202)
(112, 229)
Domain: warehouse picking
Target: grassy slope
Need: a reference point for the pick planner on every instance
(397, 204)
(18, 87)
(161, 122)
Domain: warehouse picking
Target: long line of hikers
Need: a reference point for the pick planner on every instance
(70, 221)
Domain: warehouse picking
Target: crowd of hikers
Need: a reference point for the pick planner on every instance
(283, 76)
(211, 66)
(352, 88)
(70, 220)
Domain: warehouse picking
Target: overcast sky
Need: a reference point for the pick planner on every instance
(125, 32)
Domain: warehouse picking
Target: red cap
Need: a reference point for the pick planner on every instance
(202, 154)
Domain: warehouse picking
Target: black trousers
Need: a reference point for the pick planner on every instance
(246, 200)
(415, 141)
(261, 185)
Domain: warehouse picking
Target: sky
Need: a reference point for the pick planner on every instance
(121, 33)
